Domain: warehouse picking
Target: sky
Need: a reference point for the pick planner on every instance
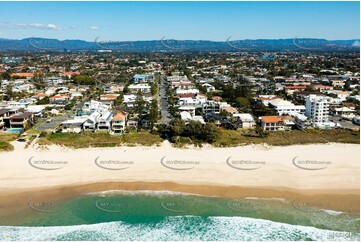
(121, 21)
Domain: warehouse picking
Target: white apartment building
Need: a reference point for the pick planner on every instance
(285, 107)
(317, 109)
(187, 91)
(144, 88)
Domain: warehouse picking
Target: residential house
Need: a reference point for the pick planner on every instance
(143, 78)
(73, 126)
(118, 123)
(338, 83)
(91, 121)
(187, 117)
(285, 107)
(288, 122)
(104, 121)
(4, 113)
(211, 107)
(209, 87)
(289, 90)
(272, 123)
(142, 87)
(344, 112)
(229, 109)
(108, 97)
(301, 121)
(40, 96)
(59, 99)
(245, 120)
(185, 85)
(21, 120)
(187, 91)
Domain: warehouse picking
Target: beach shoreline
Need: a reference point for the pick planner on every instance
(290, 172)
(17, 201)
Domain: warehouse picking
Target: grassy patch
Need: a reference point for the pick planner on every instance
(5, 138)
(141, 138)
(102, 139)
(6, 146)
(227, 138)
(294, 137)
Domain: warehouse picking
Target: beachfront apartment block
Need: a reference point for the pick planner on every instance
(317, 109)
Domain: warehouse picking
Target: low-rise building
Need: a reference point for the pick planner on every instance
(143, 78)
(142, 87)
(272, 123)
(118, 123)
(245, 120)
(285, 107)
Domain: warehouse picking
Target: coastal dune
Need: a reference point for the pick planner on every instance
(327, 173)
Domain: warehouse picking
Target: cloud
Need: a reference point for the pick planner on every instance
(94, 27)
(30, 26)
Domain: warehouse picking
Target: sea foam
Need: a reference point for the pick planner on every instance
(179, 228)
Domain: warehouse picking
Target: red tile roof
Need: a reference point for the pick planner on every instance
(119, 116)
(271, 119)
(295, 87)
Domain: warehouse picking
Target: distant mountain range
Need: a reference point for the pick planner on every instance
(171, 45)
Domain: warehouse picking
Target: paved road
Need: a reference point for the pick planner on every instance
(344, 123)
(55, 121)
(163, 101)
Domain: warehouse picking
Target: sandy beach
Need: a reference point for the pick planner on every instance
(326, 174)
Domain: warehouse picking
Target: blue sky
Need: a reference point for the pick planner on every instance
(113, 21)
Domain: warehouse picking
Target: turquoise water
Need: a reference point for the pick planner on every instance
(14, 130)
(146, 215)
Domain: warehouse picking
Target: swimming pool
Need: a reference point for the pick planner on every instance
(14, 130)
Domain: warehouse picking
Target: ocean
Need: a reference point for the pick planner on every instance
(164, 215)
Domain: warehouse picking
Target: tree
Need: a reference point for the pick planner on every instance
(5, 76)
(119, 100)
(38, 81)
(9, 94)
(210, 133)
(140, 105)
(154, 88)
(260, 132)
(153, 113)
(242, 103)
(43, 101)
(177, 127)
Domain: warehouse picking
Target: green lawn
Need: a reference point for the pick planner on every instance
(234, 138)
(101, 139)
(228, 138)
(5, 138)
